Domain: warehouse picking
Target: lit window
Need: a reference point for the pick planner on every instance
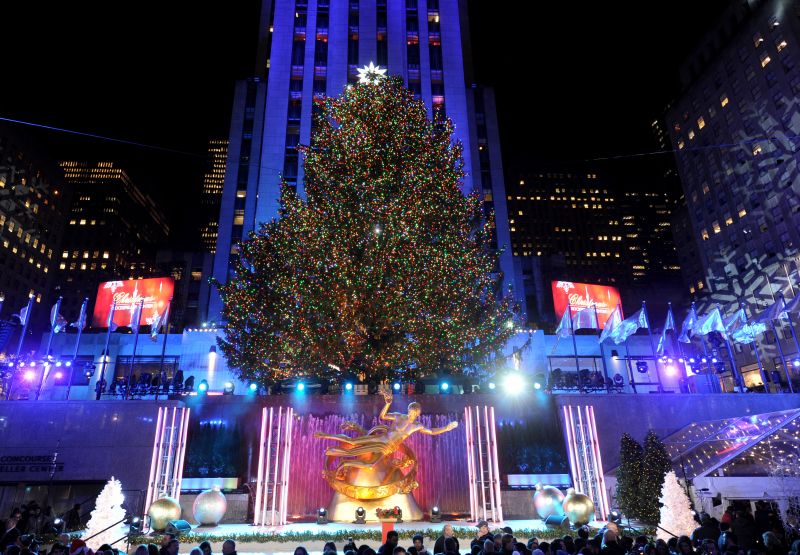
(757, 39)
(765, 59)
(723, 100)
(241, 193)
(691, 134)
(728, 221)
(742, 212)
(704, 234)
(65, 254)
(62, 266)
(238, 217)
(781, 45)
(105, 254)
(701, 123)
(86, 254)
(83, 266)
(82, 222)
(757, 150)
(716, 227)
(680, 145)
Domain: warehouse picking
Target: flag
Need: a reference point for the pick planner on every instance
(614, 320)
(564, 328)
(585, 319)
(136, 315)
(57, 322)
(669, 324)
(735, 321)
(710, 322)
(158, 321)
(80, 323)
(629, 326)
(110, 324)
(772, 312)
(23, 315)
(687, 328)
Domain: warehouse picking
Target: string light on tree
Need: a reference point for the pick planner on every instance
(384, 266)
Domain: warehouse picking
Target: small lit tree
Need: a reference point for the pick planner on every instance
(107, 513)
(676, 510)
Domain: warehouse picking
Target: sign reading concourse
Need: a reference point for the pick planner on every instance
(30, 463)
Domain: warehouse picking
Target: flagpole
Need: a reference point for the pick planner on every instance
(780, 352)
(133, 356)
(574, 346)
(631, 379)
(794, 337)
(652, 346)
(163, 350)
(53, 323)
(81, 321)
(709, 369)
(105, 351)
(606, 381)
(754, 344)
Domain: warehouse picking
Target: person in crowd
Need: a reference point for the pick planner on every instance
(451, 546)
(685, 546)
(391, 542)
(59, 548)
(300, 550)
(727, 516)
(12, 550)
(205, 547)
(507, 542)
(399, 550)
(11, 535)
(533, 544)
(745, 529)
(611, 545)
(418, 547)
(195, 551)
(329, 547)
(708, 530)
(72, 518)
(447, 532)
(773, 544)
(141, 550)
(171, 547)
(569, 544)
(152, 549)
(229, 547)
(482, 534)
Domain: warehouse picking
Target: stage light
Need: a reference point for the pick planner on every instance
(444, 387)
(491, 386)
(32, 363)
(202, 388)
(136, 525)
(301, 386)
(322, 516)
(29, 375)
(796, 363)
(58, 364)
(58, 522)
(227, 388)
(615, 516)
(68, 364)
(714, 360)
(348, 386)
(361, 516)
(436, 515)
(691, 361)
(703, 360)
(537, 385)
(253, 387)
(641, 367)
(396, 386)
(59, 375)
(669, 361)
(680, 360)
(513, 383)
(618, 380)
(671, 370)
(11, 365)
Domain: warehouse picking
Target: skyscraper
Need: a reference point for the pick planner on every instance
(112, 232)
(213, 181)
(313, 48)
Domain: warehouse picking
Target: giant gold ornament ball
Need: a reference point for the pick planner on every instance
(209, 507)
(548, 501)
(578, 508)
(162, 511)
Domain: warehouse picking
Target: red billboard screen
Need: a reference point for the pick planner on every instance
(156, 293)
(584, 295)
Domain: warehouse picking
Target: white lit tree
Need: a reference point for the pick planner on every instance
(108, 512)
(676, 509)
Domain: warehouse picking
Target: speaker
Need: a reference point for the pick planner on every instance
(177, 527)
(556, 520)
(716, 501)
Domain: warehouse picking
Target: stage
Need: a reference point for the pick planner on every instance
(285, 539)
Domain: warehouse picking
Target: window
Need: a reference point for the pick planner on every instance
(691, 134)
(238, 217)
(742, 212)
(704, 235)
(681, 144)
(105, 254)
(781, 45)
(241, 193)
(758, 40)
(728, 220)
(701, 122)
(757, 150)
(723, 100)
(765, 59)
(716, 227)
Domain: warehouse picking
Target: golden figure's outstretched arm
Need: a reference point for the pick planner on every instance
(384, 390)
(437, 431)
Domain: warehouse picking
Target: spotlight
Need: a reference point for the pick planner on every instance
(361, 516)
(301, 386)
(492, 386)
(680, 360)
(796, 363)
(136, 525)
(513, 383)
(714, 360)
(691, 361)
(32, 363)
(396, 386)
(538, 381)
(322, 516)
(58, 364)
(253, 387)
(537, 385)
(669, 360)
(618, 380)
(58, 522)
(444, 387)
(11, 365)
(202, 388)
(703, 360)
(59, 375)
(436, 515)
(68, 364)
(641, 367)
(227, 388)
(348, 386)
(29, 375)
(671, 370)
(615, 516)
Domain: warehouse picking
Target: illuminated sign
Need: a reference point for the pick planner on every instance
(585, 295)
(156, 293)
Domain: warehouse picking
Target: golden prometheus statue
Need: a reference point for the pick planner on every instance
(377, 464)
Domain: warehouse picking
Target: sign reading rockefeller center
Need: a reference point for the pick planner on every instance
(30, 463)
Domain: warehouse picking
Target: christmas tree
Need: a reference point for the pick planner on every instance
(107, 511)
(654, 466)
(676, 516)
(384, 266)
(628, 476)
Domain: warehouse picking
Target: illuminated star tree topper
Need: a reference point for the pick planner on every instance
(371, 74)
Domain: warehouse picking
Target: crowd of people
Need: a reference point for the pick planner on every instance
(737, 533)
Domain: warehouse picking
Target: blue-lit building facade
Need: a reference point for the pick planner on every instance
(734, 132)
(312, 48)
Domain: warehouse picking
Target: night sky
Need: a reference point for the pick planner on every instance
(574, 81)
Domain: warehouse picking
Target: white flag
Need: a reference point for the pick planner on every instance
(585, 319)
(613, 322)
(564, 328)
(159, 321)
(23, 315)
(136, 315)
(80, 323)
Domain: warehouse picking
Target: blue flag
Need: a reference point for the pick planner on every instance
(687, 328)
(669, 324)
